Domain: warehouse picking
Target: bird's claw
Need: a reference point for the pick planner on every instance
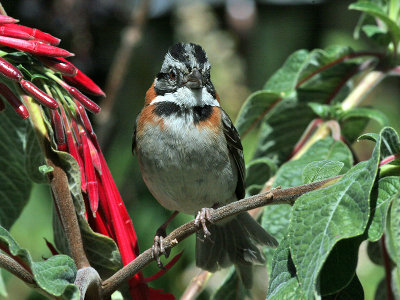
(158, 247)
(202, 217)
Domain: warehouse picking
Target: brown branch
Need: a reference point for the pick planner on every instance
(130, 37)
(15, 268)
(277, 196)
(59, 185)
(196, 286)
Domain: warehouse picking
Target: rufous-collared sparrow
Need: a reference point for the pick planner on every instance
(191, 158)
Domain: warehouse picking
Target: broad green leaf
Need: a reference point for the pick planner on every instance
(377, 34)
(374, 10)
(395, 283)
(321, 78)
(323, 217)
(286, 78)
(276, 217)
(290, 173)
(232, 288)
(55, 275)
(258, 171)
(320, 170)
(365, 112)
(283, 283)
(393, 231)
(34, 158)
(15, 184)
(388, 189)
(254, 109)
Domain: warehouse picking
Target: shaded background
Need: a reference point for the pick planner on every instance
(246, 42)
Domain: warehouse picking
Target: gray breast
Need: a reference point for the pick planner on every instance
(185, 167)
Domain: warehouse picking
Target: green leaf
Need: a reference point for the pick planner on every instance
(323, 217)
(34, 158)
(232, 288)
(15, 184)
(283, 283)
(377, 34)
(320, 170)
(325, 111)
(258, 171)
(286, 78)
(290, 173)
(55, 275)
(393, 231)
(254, 109)
(365, 112)
(321, 77)
(276, 217)
(388, 189)
(374, 10)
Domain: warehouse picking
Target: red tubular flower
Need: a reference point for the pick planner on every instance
(58, 127)
(38, 94)
(84, 83)
(86, 102)
(57, 65)
(34, 47)
(33, 33)
(9, 71)
(7, 20)
(14, 101)
(5, 30)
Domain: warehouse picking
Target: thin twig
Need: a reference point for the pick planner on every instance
(196, 286)
(277, 196)
(131, 36)
(15, 268)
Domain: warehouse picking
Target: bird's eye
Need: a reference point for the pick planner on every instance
(172, 75)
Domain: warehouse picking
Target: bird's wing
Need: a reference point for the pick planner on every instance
(236, 149)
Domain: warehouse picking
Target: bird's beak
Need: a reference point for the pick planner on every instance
(194, 80)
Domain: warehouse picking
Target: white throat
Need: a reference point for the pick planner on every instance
(188, 97)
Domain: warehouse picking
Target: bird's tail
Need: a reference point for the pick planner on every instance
(235, 243)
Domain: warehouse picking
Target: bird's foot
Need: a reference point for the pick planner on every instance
(201, 219)
(158, 247)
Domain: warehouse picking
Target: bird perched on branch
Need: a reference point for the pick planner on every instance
(191, 159)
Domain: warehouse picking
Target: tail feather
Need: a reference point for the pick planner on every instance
(233, 242)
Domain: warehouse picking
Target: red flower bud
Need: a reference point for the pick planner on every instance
(85, 84)
(85, 101)
(92, 186)
(13, 32)
(7, 19)
(84, 118)
(34, 47)
(58, 128)
(34, 33)
(38, 94)
(9, 70)
(64, 67)
(14, 101)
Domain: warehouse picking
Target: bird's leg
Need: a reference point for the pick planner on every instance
(158, 246)
(202, 217)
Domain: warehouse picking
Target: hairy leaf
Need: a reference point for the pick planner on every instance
(55, 275)
(320, 170)
(365, 112)
(388, 189)
(323, 217)
(283, 283)
(15, 184)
